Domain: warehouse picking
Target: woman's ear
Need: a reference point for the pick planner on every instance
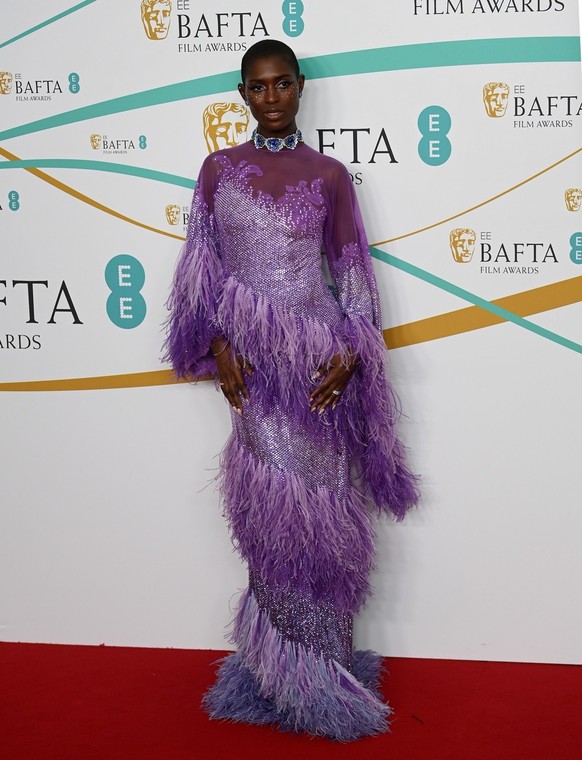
(301, 81)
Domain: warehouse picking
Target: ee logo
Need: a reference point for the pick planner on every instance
(293, 24)
(13, 200)
(576, 249)
(143, 142)
(125, 277)
(74, 85)
(434, 124)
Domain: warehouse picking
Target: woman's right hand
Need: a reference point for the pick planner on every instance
(230, 370)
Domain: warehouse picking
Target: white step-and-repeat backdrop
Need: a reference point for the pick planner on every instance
(460, 123)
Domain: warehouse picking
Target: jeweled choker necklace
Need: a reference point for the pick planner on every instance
(275, 144)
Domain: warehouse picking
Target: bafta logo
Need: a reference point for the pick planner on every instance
(95, 141)
(173, 213)
(225, 125)
(573, 198)
(5, 82)
(462, 242)
(495, 97)
(156, 17)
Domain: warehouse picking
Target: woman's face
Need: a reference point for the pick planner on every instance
(272, 89)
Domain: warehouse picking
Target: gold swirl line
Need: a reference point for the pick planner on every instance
(524, 304)
(479, 205)
(85, 198)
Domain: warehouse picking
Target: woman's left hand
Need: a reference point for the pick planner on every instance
(337, 376)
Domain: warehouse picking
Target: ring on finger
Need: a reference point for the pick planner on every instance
(337, 393)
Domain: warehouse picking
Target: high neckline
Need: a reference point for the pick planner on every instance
(283, 152)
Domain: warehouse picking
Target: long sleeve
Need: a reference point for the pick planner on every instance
(198, 279)
(348, 256)
(373, 410)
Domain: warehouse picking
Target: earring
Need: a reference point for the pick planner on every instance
(301, 93)
(248, 102)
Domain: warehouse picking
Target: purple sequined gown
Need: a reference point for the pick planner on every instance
(251, 270)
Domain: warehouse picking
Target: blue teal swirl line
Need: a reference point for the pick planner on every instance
(100, 166)
(395, 58)
(429, 55)
(466, 295)
(49, 21)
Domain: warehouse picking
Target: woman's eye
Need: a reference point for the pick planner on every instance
(284, 85)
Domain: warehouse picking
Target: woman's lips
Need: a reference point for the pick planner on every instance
(273, 115)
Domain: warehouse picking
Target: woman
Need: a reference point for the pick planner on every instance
(303, 372)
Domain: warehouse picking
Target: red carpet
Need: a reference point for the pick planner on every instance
(64, 702)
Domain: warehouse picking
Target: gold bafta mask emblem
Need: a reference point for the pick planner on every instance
(173, 213)
(155, 17)
(462, 242)
(5, 82)
(573, 198)
(495, 97)
(225, 125)
(95, 141)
